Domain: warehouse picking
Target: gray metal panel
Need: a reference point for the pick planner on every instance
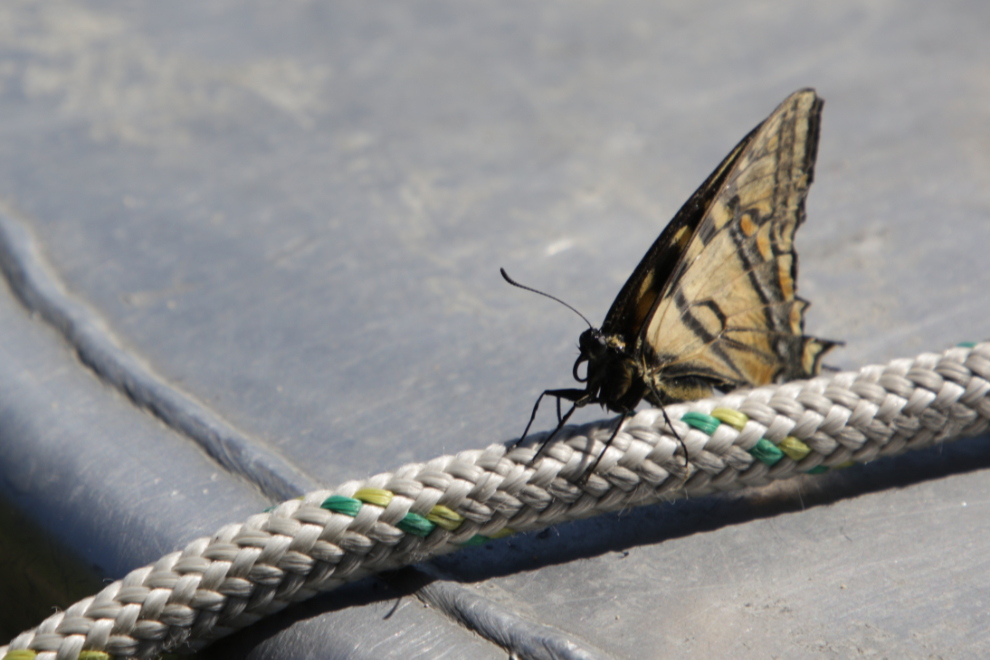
(108, 482)
(295, 213)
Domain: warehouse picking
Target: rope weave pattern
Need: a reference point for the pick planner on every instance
(325, 539)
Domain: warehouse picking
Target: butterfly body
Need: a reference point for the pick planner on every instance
(713, 302)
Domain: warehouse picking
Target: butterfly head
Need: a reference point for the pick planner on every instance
(609, 371)
(593, 346)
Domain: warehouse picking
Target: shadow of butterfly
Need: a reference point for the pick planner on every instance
(713, 303)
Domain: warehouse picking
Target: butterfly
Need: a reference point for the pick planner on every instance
(713, 303)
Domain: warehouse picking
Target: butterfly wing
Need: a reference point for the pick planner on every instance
(727, 313)
(639, 295)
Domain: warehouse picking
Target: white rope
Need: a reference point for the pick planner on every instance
(303, 547)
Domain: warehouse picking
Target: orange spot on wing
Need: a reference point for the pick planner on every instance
(786, 282)
(763, 242)
(747, 225)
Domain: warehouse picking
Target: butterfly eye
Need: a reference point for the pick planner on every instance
(577, 364)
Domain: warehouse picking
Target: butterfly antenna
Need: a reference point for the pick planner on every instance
(527, 288)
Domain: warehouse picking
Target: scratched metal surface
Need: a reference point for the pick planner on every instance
(295, 213)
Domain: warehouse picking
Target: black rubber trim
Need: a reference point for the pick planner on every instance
(501, 624)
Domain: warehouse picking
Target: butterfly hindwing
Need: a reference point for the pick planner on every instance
(728, 315)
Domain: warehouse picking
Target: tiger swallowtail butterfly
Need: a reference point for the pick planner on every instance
(713, 303)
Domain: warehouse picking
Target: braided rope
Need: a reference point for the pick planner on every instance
(325, 539)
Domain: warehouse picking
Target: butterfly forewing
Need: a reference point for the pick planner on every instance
(729, 314)
(629, 312)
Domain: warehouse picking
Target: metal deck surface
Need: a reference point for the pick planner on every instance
(291, 216)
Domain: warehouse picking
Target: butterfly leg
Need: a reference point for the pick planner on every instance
(666, 419)
(570, 394)
(587, 473)
(550, 437)
(532, 417)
